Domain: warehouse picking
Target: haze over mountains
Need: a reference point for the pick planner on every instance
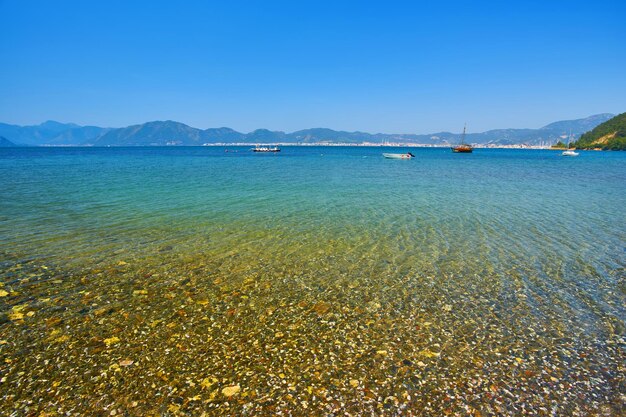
(5, 143)
(161, 133)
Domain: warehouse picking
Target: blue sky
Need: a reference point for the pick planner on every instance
(387, 66)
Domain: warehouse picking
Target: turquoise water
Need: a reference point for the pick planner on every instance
(492, 282)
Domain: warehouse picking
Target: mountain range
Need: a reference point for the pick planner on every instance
(5, 143)
(161, 133)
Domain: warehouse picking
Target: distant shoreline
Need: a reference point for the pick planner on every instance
(304, 145)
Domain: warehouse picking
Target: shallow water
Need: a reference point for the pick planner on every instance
(321, 280)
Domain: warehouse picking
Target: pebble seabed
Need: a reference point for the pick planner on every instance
(316, 334)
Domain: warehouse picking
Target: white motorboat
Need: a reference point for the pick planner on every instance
(407, 155)
(568, 151)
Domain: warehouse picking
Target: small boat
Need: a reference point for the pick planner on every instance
(568, 151)
(407, 155)
(462, 147)
(265, 148)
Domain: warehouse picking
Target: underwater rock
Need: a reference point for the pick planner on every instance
(231, 390)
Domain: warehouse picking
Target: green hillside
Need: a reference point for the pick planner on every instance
(610, 135)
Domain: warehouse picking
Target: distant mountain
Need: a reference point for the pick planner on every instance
(608, 135)
(152, 134)
(79, 135)
(162, 133)
(579, 126)
(548, 134)
(222, 135)
(319, 134)
(5, 143)
(264, 135)
(34, 135)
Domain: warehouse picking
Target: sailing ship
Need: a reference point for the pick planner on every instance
(462, 147)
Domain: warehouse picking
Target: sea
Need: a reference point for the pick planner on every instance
(314, 281)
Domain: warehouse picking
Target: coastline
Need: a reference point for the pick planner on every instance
(323, 144)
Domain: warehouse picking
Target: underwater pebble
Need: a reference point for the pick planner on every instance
(111, 340)
(231, 390)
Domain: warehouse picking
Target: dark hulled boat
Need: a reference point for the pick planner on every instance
(462, 147)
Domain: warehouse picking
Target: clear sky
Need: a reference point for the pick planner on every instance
(383, 66)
